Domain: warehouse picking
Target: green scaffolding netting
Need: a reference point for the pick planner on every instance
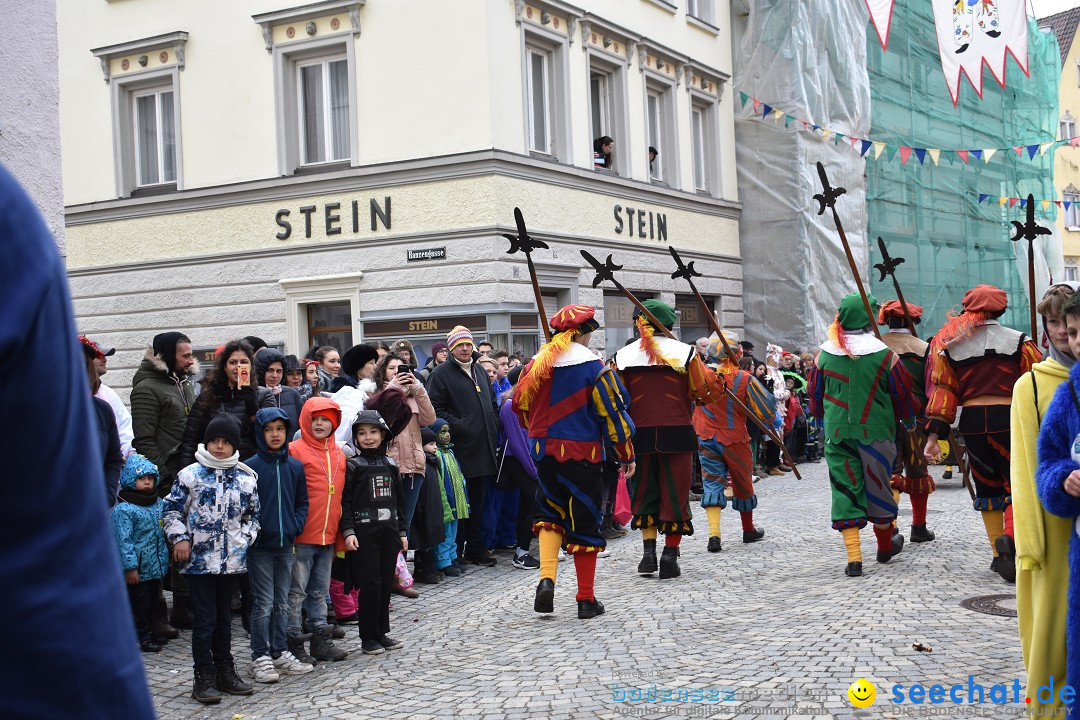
(930, 215)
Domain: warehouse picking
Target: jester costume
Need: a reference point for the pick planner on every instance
(570, 402)
(910, 474)
(665, 377)
(861, 389)
(975, 362)
(724, 443)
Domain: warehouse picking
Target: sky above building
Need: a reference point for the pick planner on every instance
(1042, 8)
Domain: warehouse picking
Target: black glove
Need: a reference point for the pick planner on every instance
(250, 398)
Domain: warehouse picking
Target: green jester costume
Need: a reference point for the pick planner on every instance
(860, 389)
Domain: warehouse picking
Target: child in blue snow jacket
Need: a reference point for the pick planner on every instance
(144, 556)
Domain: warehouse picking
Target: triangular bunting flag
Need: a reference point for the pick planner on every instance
(866, 144)
(1044, 147)
(1019, 149)
(878, 147)
(1031, 150)
(839, 137)
(934, 154)
(1067, 204)
(982, 196)
(1073, 141)
(920, 153)
(787, 120)
(977, 153)
(757, 104)
(1023, 202)
(963, 155)
(743, 97)
(766, 109)
(777, 114)
(1058, 203)
(890, 152)
(825, 134)
(1002, 201)
(905, 153)
(815, 127)
(1046, 204)
(1013, 201)
(988, 153)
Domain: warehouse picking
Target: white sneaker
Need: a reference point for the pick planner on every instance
(262, 668)
(562, 556)
(287, 662)
(603, 553)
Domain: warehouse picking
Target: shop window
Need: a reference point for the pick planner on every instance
(693, 322)
(330, 324)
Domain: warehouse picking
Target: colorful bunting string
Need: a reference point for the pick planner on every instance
(1003, 200)
(862, 146)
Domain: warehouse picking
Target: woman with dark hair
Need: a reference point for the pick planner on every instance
(407, 449)
(270, 370)
(329, 360)
(603, 148)
(382, 348)
(108, 436)
(227, 388)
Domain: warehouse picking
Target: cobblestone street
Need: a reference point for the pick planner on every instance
(776, 622)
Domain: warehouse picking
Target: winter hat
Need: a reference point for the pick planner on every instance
(437, 425)
(577, 318)
(852, 312)
(662, 312)
(292, 364)
(225, 426)
(427, 435)
(94, 350)
(894, 310)
(402, 345)
(460, 334)
(371, 417)
(357, 357)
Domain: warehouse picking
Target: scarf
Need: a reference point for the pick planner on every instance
(137, 497)
(454, 482)
(204, 458)
(466, 366)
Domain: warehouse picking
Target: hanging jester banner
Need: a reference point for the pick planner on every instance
(970, 34)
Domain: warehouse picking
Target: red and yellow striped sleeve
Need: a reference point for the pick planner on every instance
(706, 386)
(1029, 355)
(611, 400)
(943, 400)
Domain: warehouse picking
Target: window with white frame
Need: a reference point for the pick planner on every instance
(700, 9)
(1072, 213)
(323, 94)
(1070, 273)
(704, 145)
(546, 91)
(1066, 126)
(153, 114)
(538, 98)
(316, 104)
(607, 102)
(660, 132)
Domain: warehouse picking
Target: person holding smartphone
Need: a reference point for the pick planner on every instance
(228, 388)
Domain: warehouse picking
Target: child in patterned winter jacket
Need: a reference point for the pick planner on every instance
(211, 519)
(144, 556)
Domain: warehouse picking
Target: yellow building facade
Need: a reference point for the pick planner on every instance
(343, 171)
(1066, 161)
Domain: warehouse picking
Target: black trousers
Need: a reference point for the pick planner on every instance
(372, 566)
(526, 508)
(473, 534)
(211, 631)
(142, 597)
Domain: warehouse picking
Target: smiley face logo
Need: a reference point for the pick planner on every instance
(862, 693)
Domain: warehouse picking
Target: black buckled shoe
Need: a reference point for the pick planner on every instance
(853, 569)
(545, 596)
(919, 534)
(714, 544)
(648, 565)
(897, 546)
(669, 563)
(756, 534)
(1006, 550)
(589, 609)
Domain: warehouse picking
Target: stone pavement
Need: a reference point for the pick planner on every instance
(774, 626)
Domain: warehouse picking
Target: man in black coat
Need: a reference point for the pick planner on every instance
(462, 395)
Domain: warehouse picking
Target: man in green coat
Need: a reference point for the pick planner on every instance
(861, 389)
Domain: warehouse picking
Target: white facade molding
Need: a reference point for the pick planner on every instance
(301, 292)
(176, 41)
(269, 20)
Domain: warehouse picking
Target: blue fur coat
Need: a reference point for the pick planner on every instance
(1060, 429)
